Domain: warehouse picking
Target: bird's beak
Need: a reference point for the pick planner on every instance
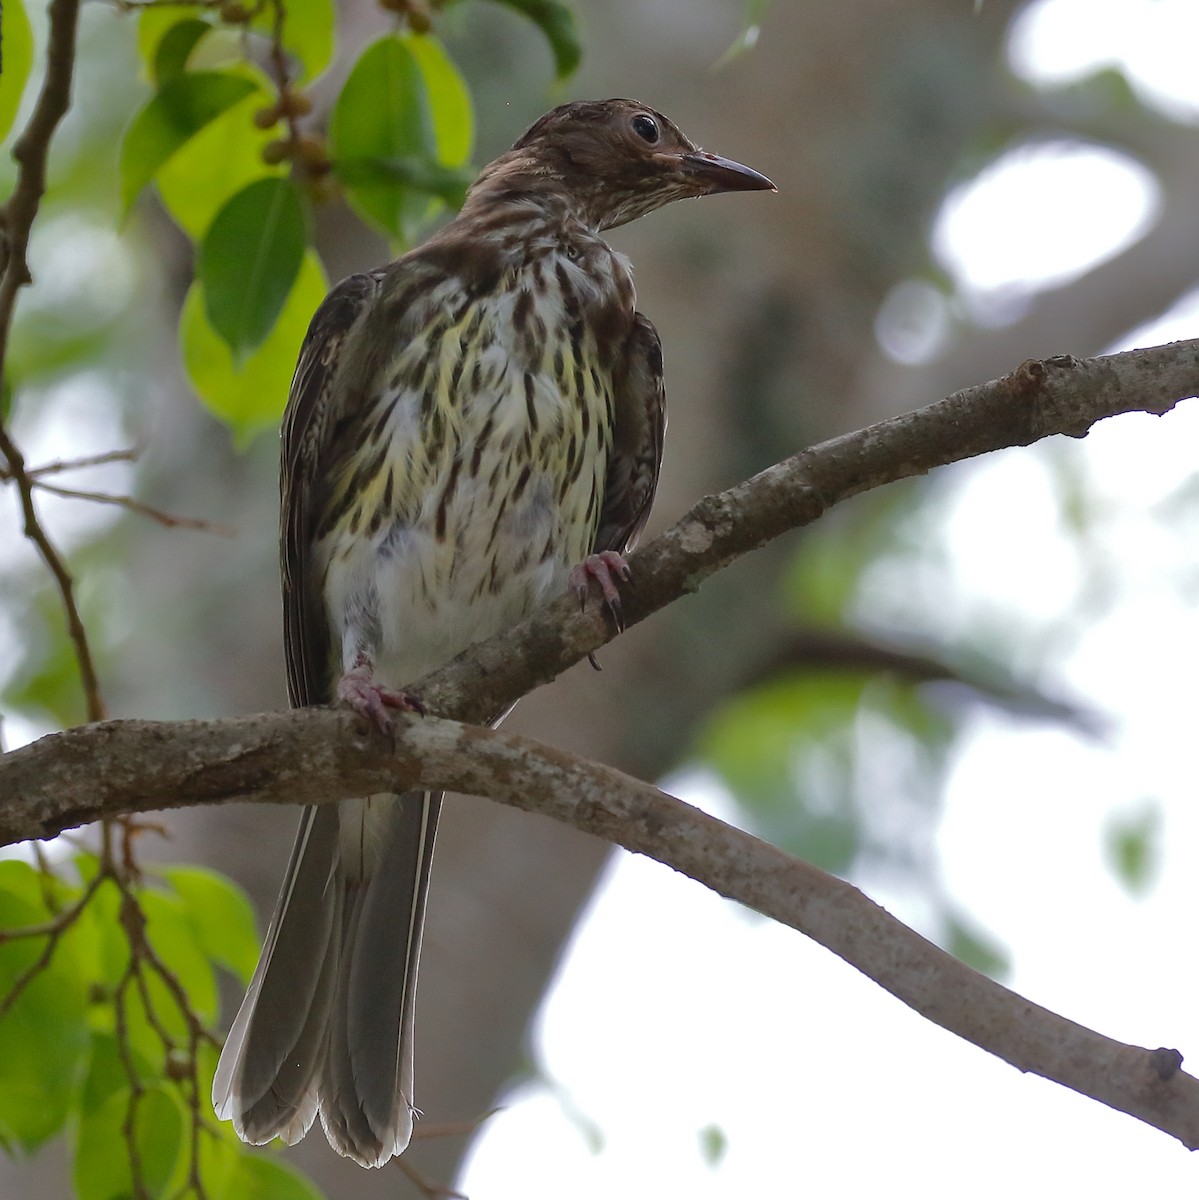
(715, 174)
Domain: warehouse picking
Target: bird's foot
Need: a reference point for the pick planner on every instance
(605, 568)
(371, 700)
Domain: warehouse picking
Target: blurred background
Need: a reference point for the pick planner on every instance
(971, 694)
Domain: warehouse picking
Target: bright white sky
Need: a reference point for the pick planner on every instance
(675, 1011)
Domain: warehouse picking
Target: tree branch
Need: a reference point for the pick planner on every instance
(1040, 398)
(318, 755)
(1059, 395)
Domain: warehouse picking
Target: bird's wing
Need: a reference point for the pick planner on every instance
(309, 430)
(636, 455)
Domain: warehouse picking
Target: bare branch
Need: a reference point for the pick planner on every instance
(133, 505)
(318, 755)
(16, 221)
(58, 466)
(322, 755)
(1056, 396)
(53, 788)
(808, 649)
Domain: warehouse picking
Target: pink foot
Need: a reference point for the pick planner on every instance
(371, 700)
(605, 568)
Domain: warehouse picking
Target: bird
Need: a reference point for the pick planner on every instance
(472, 430)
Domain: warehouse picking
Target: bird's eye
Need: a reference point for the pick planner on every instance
(646, 128)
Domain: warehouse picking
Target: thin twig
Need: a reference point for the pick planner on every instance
(52, 931)
(62, 576)
(279, 67)
(31, 153)
(130, 454)
(427, 1187)
(144, 958)
(430, 1131)
(170, 520)
(136, 1087)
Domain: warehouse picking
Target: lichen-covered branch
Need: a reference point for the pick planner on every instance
(318, 755)
(321, 754)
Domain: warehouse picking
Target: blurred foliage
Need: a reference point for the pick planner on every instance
(1134, 846)
(109, 1003)
(18, 60)
(751, 28)
(557, 22)
(249, 262)
(713, 1144)
(428, 123)
(203, 113)
(108, 978)
(245, 394)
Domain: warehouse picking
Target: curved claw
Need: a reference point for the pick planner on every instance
(605, 568)
(371, 700)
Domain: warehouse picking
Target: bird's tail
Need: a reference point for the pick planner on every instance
(327, 1021)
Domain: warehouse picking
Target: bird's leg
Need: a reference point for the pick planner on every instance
(358, 689)
(605, 568)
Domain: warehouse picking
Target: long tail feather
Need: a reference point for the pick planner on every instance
(327, 1020)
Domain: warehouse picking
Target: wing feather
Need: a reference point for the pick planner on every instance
(313, 406)
(636, 457)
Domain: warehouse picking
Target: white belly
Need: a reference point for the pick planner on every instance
(486, 537)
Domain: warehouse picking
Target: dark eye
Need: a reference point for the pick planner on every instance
(646, 128)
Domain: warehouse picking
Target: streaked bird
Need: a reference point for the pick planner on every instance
(471, 429)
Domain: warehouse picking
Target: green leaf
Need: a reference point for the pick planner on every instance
(18, 59)
(48, 345)
(48, 679)
(823, 581)
(173, 937)
(786, 752)
(179, 110)
(103, 948)
(219, 1158)
(21, 882)
(713, 1144)
(258, 1178)
(191, 190)
(447, 183)
(249, 261)
(44, 1034)
(154, 23)
(102, 1168)
(107, 1073)
(249, 398)
(975, 950)
(221, 916)
(404, 101)
(308, 33)
(450, 106)
(175, 47)
(557, 22)
(1133, 845)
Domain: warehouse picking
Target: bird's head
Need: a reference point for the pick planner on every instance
(616, 160)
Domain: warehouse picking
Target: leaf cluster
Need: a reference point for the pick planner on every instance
(230, 142)
(108, 978)
(109, 990)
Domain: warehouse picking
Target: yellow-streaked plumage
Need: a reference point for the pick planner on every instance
(465, 426)
(474, 408)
